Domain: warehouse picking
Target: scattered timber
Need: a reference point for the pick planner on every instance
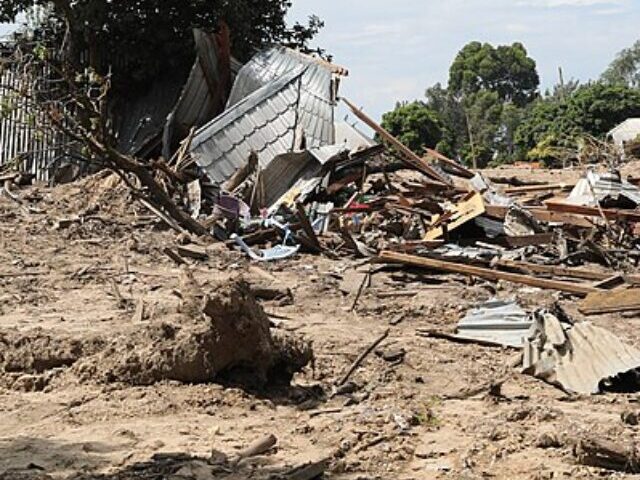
(486, 273)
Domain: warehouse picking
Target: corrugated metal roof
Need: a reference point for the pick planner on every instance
(586, 357)
(603, 186)
(205, 92)
(284, 94)
(497, 321)
(316, 96)
(264, 122)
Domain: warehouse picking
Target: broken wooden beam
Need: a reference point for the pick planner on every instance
(409, 157)
(487, 273)
(609, 213)
(538, 188)
(564, 271)
(307, 228)
(611, 301)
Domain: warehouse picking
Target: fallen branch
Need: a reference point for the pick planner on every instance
(362, 356)
(439, 334)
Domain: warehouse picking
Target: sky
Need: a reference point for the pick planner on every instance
(394, 50)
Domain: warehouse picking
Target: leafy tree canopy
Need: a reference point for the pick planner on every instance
(625, 69)
(506, 70)
(593, 109)
(156, 34)
(415, 124)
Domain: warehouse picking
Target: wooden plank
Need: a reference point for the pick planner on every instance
(610, 214)
(538, 188)
(610, 283)
(553, 270)
(430, 263)
(611, 301)
(410, 158)
(465, 211)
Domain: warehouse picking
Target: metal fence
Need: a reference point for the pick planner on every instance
(27, 141)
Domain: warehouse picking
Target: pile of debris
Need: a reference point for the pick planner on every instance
(265, 167)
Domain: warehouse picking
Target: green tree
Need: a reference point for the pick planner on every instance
(415, 124)
(452, 117)
(625, 69)
(506, 70)
(593, 109)
(146, 36)
(483, 111)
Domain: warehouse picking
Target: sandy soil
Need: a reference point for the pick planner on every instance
(66, 291)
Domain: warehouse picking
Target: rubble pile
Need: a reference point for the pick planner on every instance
(276, 183)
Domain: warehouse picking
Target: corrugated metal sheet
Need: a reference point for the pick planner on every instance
(27, 140)
(603, 187)
(580, 363)
(352, 138)
(172, 106)
(264, 122)
(140, 119)
(498, 322)
(205, 93)
(284, 171)
(316, 97)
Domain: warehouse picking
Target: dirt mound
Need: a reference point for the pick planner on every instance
(225, 332)
(28, 361)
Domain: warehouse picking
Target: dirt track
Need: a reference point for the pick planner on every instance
(66, 291)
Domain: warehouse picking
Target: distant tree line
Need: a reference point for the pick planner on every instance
(492, 110)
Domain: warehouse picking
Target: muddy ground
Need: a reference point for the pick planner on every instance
(69, 290)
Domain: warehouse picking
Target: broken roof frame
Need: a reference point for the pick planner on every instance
(281, 102)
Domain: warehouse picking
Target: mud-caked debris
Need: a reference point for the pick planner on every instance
(229, 335)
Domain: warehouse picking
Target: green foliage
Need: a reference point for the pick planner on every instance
(506, 70)
(415, 124)
(625, 69)
(483, 111)
(593, 109)
(144, 37)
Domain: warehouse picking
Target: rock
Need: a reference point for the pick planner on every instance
(548, 440)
